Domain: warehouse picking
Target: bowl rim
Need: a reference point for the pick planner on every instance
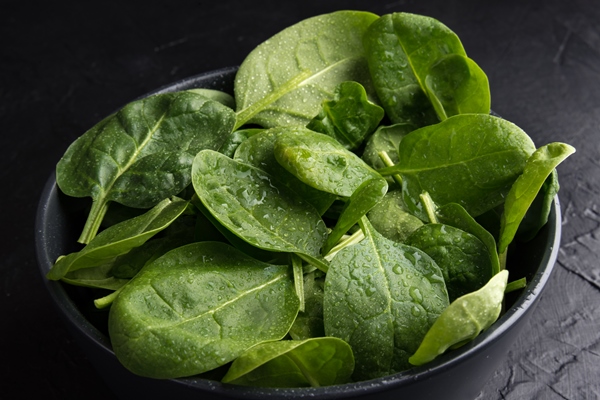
(525, 301)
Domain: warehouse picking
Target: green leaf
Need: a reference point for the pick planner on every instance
(290, 363)
(463, 320)
(462, 257)
(235, 139)
(456, 85)
(97, 277)
(364, 198)
(387, 139)
(349, 117)
(285, 79)
(258, 151)
(539, 166)
(381, 297)
(401, 48)
(322, 162)
(391, 218)
(143, 153)
(120, 238)
(455, 215)
(537, 214)
(224, 98)
(309, 323)
(199, 307)
(254, 206)
(469, 159)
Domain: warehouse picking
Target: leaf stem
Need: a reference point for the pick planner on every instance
(320, 263)
(298, 279)
(94, 219)
(515, 285)
(429, 207)
(385, 158)
(106, 301)
(345, 242)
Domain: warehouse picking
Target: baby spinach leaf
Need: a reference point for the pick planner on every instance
(537, 214)
(385, 138)
(120, 238)
(235, 139)
(364, 198)
(259, 152)
(469, 159)
(224, 98)
(143, 153)
(539, 166)
(284, 80)
(291, 363)
(256, 207)
(463, 320)
(99, 277)
(199, 307)
(462, 257)
(391, 218)
(455, 215)
(349, 117)
(401, 48)
(382, 297)
(322, 162)
(309, 323)
(456, 85)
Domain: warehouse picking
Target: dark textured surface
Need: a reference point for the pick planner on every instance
(64, 65)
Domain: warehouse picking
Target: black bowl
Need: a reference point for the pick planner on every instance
(459, 374)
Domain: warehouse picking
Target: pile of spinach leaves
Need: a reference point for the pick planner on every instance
(325, 225)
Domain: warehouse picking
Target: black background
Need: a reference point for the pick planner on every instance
(66, 64)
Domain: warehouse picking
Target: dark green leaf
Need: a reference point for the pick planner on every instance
(322, 162)
(143, 153)
(290, 363)
(309, 323)
(391, 218)
(254, 206)
(349, 117)
(199, 307)
(456, 85)
(401, 48)
(385, 138)
(285, 79)
(382, 297)
(462, 257)
(120, 239)
(258, 151)
(469, 159)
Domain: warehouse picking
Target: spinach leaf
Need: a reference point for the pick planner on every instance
(199, 307)
(381, 297)
(401, 48)
(349, 117)
(291, 363)
(387, 139)
(455, 215)
(258, 151)
(364, 198)
(525, 189)
(391, 218)
(224, 98)
(256, 207)
(469, 159)
(537, 214)
(99, 277)
(143, 153)
(284, 80)
(462, 257)
(463, 320)
(456, 85)
(322, 162)
(120, 238)
(309, 323)
(235, 139)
